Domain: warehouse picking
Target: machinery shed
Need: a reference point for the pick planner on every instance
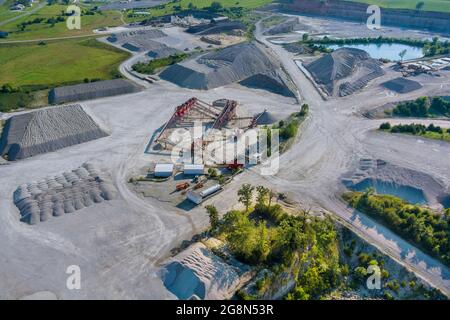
(194, 169)
(163, 170)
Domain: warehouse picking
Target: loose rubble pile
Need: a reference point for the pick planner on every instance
(62, 194)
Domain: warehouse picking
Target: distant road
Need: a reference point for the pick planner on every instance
(27, 13)
(49, 39)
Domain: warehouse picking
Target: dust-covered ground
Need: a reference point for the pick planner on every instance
(120, 244)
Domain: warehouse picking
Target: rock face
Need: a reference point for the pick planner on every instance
(434, 21)
(344, 71)
(47, 130)
(287, 26)
(92, 90)
(215, 28)
(410, 185)
(247, 63)
(62, 194)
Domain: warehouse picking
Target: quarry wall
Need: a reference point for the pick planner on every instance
(434, 21)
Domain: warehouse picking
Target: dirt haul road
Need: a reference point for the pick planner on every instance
(119, 244)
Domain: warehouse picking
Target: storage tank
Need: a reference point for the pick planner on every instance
(194, 197)
(210, 190)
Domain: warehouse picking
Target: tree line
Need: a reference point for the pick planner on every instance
(426, 229)
(423, 107)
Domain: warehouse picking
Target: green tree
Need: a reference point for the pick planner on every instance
(262, 196)
(245, 194)
(215, 6)
(213, 214)
(402, 54)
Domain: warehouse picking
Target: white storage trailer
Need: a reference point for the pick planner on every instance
(163, 170)
(194, 169)
(195, 197)
(198, 197)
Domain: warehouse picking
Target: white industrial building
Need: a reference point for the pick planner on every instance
(194, 169)
(163, 170)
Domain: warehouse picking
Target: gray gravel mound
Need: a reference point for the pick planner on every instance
(138, 40)
(247, 63)
(341, 64)
(47, 130)
(92, 90)
(287, 26)
(402, 85)
(65, 193)
(266, 118)
(215, 28)
(198, 273)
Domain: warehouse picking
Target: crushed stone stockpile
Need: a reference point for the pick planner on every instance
(351, 68)
(216, 27)
(249, 64)
(47, 130)
(62, 194)
(138, 40)
(92, 90)
(403, 182)
(287, 26)
(265, 118)
(197, 273)
(126, 5)
(402, 85)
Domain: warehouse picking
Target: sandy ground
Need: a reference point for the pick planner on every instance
(119, 244)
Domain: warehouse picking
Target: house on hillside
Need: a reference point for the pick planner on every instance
(17, 7)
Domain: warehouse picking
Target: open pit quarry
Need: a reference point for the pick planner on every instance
(123, 246)
(435, 21)
(410, 185)
(248, 64)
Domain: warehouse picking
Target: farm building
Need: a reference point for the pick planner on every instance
(47, 130)
(92, 90)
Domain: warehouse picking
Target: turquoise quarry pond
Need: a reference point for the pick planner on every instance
(407, 193)
(386, 50)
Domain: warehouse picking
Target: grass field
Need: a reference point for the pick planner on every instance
(35, 68)
(429, 135)
(45, 30)
(58, 62)
(6, 14)
(200, 4)
(429, 5)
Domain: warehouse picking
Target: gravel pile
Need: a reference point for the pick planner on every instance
(197, 273)
(287, 26)
(47, 130)
(138, 40)
(266, 118)
(62, 194)
(215, 28)
(91, 90)
(341, 64)
(249, 64)
(402, 85)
